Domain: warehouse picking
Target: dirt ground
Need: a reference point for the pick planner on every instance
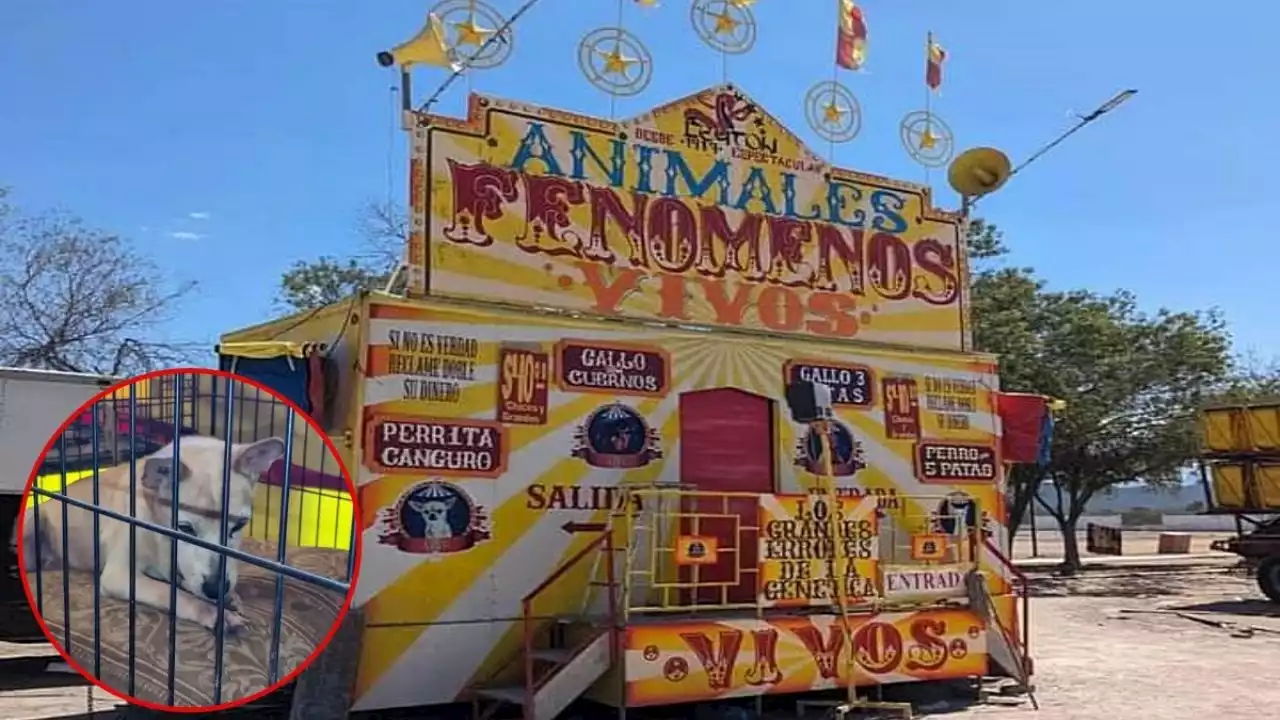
(1096, 659)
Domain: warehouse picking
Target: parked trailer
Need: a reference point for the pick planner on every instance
(577, 476)
(606, 500)
(1240, 469)
(33, 403)
(600, 527)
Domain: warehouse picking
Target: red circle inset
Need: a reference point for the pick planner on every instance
(186, 627)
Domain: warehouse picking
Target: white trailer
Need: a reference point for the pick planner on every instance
(33, 404)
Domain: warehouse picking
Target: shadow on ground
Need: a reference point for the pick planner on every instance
(1250, 608)
(936, 699)
(1127, 585)
(99, 715)
(26, 673)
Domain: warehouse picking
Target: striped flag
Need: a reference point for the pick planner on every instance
(935, 56)
(851, 38)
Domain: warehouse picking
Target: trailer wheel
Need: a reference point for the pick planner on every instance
(1269, 578)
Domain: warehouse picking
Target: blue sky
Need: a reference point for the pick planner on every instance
(229, 138)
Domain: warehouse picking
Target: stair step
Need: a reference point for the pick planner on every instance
(555, 655)
(513, 694)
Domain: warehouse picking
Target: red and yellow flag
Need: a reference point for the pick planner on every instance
(851, 38)
(934, 57)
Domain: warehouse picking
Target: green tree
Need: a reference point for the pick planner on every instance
(1131, 381)
(79, 299)
(311, 284)
(326, 280)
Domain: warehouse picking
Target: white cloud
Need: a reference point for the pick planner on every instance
(185, 235)
(200, 215)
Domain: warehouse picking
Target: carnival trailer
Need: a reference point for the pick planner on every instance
(555, 506)
(577, 473)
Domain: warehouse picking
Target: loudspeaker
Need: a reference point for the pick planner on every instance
(808, 401)
(979, 171)
(428, 47)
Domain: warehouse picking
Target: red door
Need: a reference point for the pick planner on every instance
(726, 445)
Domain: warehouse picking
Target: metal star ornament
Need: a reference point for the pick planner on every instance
(469, 33)
(615, 61)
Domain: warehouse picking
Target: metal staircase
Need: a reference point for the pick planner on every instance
(1003, 646)
(562, 655)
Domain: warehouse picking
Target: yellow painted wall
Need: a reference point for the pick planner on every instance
(457, 611)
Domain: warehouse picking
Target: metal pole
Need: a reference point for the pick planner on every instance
(839, 563)
(1106, 107)
(1035, 535)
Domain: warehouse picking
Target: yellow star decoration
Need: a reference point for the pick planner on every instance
(616, 63)
(469, 33)
(724, 23)
(832, 113)
(927, 140)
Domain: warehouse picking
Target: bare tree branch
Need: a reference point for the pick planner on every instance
(384, 227)
(81, 300)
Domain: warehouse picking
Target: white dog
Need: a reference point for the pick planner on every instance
(435, 516)
(199, 487)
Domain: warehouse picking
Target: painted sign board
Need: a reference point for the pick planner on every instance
(923, 582)
(797, 559)
(706, 210)
(698, 661)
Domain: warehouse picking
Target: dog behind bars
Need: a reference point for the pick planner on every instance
(199, 484)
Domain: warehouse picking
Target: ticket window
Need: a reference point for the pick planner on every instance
(726, 446)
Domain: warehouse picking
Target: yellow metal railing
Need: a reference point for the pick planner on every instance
(659, 576)
(660, 579)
